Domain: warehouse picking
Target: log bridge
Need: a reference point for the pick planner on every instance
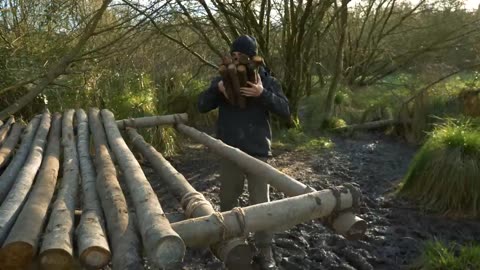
(121, 218)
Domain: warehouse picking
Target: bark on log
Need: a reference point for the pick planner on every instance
(279, 180)
(21, 245)
(227, 83)
(93, 249)
(163, 246)
(242, 78)
(232, 73)
(5, 128)
(9, 144)
(193, 203)
(124, 241)
(14, 167)
(57, 246)
(16, 197)
(151, 121)
(369, 125)
(288, 212)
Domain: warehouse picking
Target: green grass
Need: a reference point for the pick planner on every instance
(444, 175)
(295, 139)
(438, 256)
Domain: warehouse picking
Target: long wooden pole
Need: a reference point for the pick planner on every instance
(163, 245)
(21, 245)
(236, 253)
(16, 197)
(56, 251)
(121, 231)
(9, 144)
(93, 249)
(288, 212)
(5, 128)
(151, 121)
(9, 175)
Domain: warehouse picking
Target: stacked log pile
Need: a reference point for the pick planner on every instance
(48, 173)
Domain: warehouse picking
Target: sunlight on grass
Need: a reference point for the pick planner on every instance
(438, 256)
(296, 139)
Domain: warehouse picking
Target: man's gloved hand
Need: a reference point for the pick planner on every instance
(254, 90)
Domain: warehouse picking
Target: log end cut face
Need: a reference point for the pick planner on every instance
(56, 259)
(170, 251)
(95, 257)
(16, 255)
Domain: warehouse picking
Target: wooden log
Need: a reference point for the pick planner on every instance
(163, 246)
(227, 83)
(9, 144)
(56, 251)
(232, 73)
(279, 180)
(193, 203)
(9, 175)
(5, 128)
(242, 78)
(92, 244)
(21, 244)
(126, 251)
(150, 121)
(17, 195)
(288, 212)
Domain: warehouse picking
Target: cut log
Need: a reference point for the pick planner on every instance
(9, 144)
(56, 251)
(279, 180)
(124, 241)
(288, 212)
(163, 246)
(93, 249)
(193, 203)
(242, 78)
(10, 174)
(17, 195)
(21, 245)
(5, 128)
(369, 125)
(150, 121)
(232, 72)
(227, 83)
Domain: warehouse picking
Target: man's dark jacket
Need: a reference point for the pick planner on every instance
(247, 129)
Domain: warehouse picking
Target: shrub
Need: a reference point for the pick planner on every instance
(445, 174)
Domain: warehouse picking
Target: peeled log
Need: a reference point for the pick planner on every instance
(5, 128)
(288, 212)
(21, 245)
(93, 249)
(9, 144)
(57, 245)
(163, 246)
(193, 202)
(279, 180)
(150, 121)
(16, 197)
(10, 174)
(121, 229)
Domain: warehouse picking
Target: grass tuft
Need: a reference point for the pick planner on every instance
(438, 256)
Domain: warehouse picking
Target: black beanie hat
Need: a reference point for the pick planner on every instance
(245, 44)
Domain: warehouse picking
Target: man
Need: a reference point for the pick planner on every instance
(249, 130)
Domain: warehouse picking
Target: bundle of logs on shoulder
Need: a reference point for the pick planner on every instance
(40, 194)
(235, 73)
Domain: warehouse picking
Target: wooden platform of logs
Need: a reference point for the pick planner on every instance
(59, 165)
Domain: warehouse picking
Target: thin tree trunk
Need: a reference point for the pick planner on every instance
(194, 203)
(5, 128)
(21, 245)
(150, 121)
(60, 67)
(93, 247)
(10, 174)
(163, 246)
(288, 212)
(9, 144)
(124, 241)
(15, 199)
(57, 245)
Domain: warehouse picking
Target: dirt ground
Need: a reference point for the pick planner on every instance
(396, 232)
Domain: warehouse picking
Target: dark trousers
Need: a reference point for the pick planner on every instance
(232, 181)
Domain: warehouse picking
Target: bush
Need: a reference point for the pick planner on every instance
(445, 174)
(437, 256)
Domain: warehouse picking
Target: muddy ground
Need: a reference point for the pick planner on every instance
(396, 232)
